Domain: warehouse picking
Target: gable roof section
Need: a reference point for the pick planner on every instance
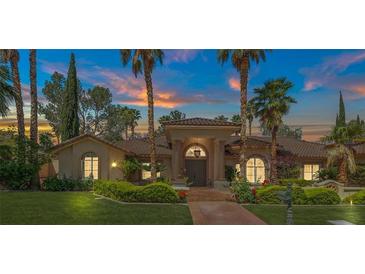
(142, 147)
(197, 121)
(300, 148)
(89, 136)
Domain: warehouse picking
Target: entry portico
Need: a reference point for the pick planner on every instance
(198, 149)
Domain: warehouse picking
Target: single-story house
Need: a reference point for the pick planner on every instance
(195, 148)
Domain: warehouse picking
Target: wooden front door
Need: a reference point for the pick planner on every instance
(196, 171)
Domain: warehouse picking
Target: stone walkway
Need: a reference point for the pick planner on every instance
(211, 207)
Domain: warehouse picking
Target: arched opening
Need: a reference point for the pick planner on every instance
(255, 170)
(90, 166)
(196, 165)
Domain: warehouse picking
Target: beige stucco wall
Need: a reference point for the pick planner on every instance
(69, 159)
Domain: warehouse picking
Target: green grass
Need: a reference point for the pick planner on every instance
(309, 215)
(66, 208)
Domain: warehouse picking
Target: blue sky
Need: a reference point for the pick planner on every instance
(193, 82)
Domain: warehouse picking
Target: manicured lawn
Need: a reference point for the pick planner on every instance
(83, 208)
(309, 215)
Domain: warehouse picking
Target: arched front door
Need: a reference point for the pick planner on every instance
(196, 165)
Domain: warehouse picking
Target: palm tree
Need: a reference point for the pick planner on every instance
(241, 59)
(271, 103)
(136, 115)
(12, 56)
(339, 152)
(144, 61)
(250, 116)
(6, 90)
(33, 113)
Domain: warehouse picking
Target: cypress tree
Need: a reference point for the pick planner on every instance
(341, 115)
(69, 117)
(358, 122)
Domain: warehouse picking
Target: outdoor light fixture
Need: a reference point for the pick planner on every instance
(197, 153)
(350, 202)
(114, 164)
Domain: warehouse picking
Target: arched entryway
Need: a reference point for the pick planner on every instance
(196, 165)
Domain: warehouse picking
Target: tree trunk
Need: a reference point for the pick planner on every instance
(19, 104)
(33, 115)
(243, 94)
(342, 172)
(151, 128)
(132, 131)
(249, 127)
(274, 172)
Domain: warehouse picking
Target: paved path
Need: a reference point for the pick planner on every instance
(212, 207)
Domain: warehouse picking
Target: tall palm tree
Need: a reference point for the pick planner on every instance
(339, 151)
(271, 103)
(12, 56)
(144, 61)
(136, 115)
(33, 113)
(250, 116)
(6, 90)
(241, 59)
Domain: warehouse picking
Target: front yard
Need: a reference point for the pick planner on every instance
(309, 215)
(73, 208)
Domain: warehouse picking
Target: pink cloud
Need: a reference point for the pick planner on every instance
(180, 55)
(327, 72)
(234, 83)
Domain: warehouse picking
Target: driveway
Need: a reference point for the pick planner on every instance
(212, 207)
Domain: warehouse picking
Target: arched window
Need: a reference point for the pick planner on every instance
(195, 151)
(255, 170)
(90, 166)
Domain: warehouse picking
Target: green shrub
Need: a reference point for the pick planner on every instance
(269, 195)
(287, 170)
(230, 173)
(129, 167)
(358, 177)
(329, 173)
(242, 191)
(127, 192)
(15, 175)
(321, 196)
(357, 198)
(295, 182)
(65, 184)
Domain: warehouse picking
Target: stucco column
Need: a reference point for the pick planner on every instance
(176, 159)
(221, 161)
(216, 159)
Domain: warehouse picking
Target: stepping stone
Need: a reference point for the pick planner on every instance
(339, 222)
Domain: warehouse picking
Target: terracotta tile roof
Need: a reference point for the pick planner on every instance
(251, 142)
(199, 122)
(77, 138)
(299, 148)
(142, 147)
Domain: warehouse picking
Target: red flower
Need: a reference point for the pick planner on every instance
(182, 194)
(265, 182)
(254, 192)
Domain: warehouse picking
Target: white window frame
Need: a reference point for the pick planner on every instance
(93, 169)
(311, 173)
(255, 167)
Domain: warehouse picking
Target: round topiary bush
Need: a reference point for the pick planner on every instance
(158, 193)
(269, 195)
(357, 198)
(322, 196)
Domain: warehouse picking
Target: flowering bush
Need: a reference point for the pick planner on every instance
(182, 195)
(265, 182)
(242, 191)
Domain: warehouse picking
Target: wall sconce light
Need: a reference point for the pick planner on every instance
(114, 164)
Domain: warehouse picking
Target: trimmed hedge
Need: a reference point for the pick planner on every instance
(65, 184)
(322, 196)
(269, 195)
(127, 192)
(311, 196)
(295, 182)
(357, 198)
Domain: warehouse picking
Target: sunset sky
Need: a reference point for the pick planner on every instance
(193, 82)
